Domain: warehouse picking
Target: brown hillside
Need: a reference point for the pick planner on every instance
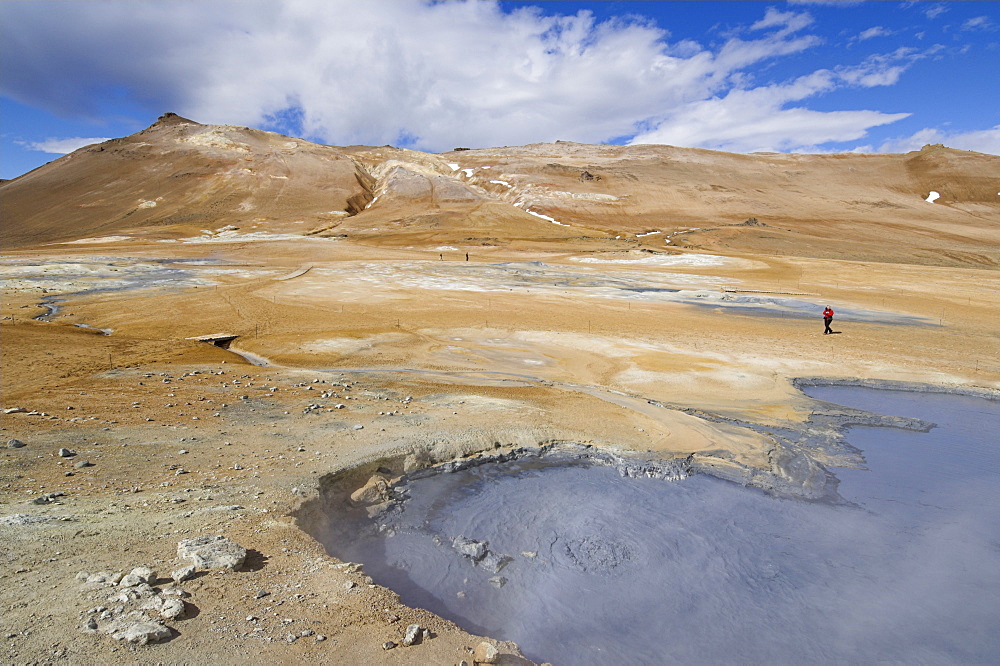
(179, 177)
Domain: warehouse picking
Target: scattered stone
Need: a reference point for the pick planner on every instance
(388, 645)
(474, 550)
(104, 578)
(138, 576)
(212, 552)
(82, 464)
(15, 443)
(350, 567)
(90, 626)
(359, 427)
(184, 573)
(414, 634)
(498, 581)
(320, 638)
(350, 585)
(66, 453)
(48, 498)
(225, 507)
(15, 410)
(261, 594)
(495, 562)
(486, 653)
(172, 609)
(135, 593)
(138, 628)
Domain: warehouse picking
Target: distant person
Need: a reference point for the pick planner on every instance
(827, 318)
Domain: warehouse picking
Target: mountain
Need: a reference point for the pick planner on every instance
(178, 177)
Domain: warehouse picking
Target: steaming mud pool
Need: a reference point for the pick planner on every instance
(580, 565)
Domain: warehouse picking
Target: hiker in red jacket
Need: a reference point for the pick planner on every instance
(827, 318)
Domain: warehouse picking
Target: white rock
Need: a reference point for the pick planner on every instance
(414, 633)
(172, 609)
(142, 633)
(138, 576)
(212, 552)
(184, 573)
(486, 653)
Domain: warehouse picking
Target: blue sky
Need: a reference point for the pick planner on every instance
(740, 76)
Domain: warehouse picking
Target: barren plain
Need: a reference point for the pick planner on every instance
(379, 307)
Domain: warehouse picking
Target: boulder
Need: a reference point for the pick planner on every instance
(142, 633)
(414, 634)
(212, 552)
(172, 609)
(486, 653)
(375, 491)
(138, 576)
(138, 628)
(66, 453)
(15, 444)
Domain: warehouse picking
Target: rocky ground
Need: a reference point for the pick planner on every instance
(436, 322)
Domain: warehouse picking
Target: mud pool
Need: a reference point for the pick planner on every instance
(580, 565)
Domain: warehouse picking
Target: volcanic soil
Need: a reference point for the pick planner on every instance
(387, 306)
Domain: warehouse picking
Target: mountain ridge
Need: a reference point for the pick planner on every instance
(179, 177)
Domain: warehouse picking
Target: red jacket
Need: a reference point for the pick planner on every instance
(828, 312)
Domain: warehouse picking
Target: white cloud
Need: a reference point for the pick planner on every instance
(788, 22)
(935, 10)
(429, 74)
(62, 146)
(874, 31)
(761, 119)
(981, 141)
(979, 23)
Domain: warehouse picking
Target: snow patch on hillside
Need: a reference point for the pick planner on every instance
(545, 217)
